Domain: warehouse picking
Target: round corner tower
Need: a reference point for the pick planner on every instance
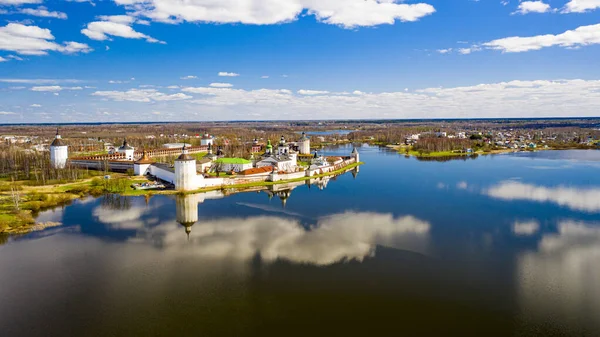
(185, 172)
(59, 152)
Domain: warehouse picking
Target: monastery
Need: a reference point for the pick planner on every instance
(188, 174)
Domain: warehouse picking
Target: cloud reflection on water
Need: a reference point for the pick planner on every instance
(580, 199)
(561, 278)
(335, 238)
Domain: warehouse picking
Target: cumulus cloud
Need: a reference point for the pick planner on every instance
(36, 105)
(542, 98)
(581, 36)
(140, 95)
(571, 39)
(5, 113)
(533, 7)
(221, 85)
(2, 59)
(115, 25)
(505, 99)
(189, 77)
(54, 88)
(345, 13)
(43, 12)
(579, 199)
(580, 6)
(33, 40)
(226, 74)
(312, 92)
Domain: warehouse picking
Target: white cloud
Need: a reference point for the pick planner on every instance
(345, 13)
(221, 85)
(115, 25)
(2, 59)
(533, 7)
(19, 2)
(33, 40)
(580, 6)
(36, 105)
(226, 74)
(525, 228)
(189, 77)
(462, 185)
(581, 36)
(264, 77)
(580, 199)
(43, 12)
(444, 51)
(54, 88)
(140, 95)
(312, 92)
(38, 80)
(7, 113)
(496, 100)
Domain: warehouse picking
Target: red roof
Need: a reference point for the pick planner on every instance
(258, 170)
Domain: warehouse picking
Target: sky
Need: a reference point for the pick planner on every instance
(202, 60)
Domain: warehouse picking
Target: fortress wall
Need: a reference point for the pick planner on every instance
(162, 174)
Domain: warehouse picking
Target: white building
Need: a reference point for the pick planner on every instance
(284, 160)
(141, 167)
(59, 152)
(127, 150)
(207, 140)
(304, 144)
(173, 145)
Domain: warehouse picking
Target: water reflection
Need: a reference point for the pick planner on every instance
(331, 239)
(580, 199)
(561, 278)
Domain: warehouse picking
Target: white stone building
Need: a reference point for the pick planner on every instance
(207, 140)
(127, 150)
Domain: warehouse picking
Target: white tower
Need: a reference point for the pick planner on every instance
(126, 150)
(282, 149)
(304, 144)
(141, 166)
(355, 155)
(59, 152)
(185, 172)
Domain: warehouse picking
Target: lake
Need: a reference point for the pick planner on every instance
(499, 245)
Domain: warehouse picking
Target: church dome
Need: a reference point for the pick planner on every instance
(125, 146)
(58, 142)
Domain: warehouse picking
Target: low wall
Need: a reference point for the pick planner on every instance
(100, 165)
(162, 174)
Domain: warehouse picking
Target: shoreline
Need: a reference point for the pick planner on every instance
(448, 154)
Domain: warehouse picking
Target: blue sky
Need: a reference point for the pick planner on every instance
(160, 60)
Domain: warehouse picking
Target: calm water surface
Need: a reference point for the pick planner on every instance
(495, 246)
